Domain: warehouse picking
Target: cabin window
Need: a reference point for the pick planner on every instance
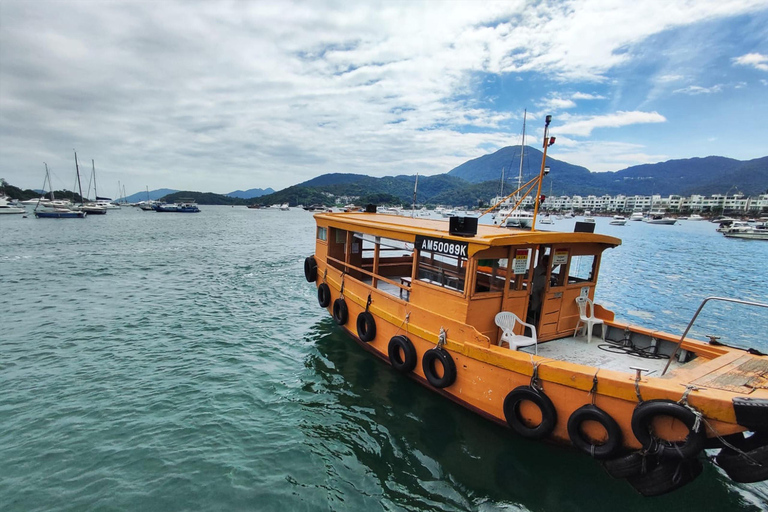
(386, 263)
(582, 269)
(491, 275)
(337, 247)
(322, 233)
(442, 270)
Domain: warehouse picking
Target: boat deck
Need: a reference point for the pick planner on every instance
(577, 350)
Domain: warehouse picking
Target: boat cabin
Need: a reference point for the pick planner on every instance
(535, 275)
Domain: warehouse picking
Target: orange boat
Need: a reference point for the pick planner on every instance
(503, 322)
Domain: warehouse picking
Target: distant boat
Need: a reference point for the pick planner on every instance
(696, 216)
(177, 208)
(6, 208)
(51, 210)
(659, 218)
(618, 220)
(546, 219)
(636, 216)
(748, 232)
(284, 207)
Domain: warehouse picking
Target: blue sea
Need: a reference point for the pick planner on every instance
(173, 362)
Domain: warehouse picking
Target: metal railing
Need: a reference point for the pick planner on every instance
(690, 324)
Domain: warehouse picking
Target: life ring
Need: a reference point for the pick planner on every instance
(402, 354)
(310, 269)
(751, 464)
(366, 326)
(593, 413)
(428, 364)
(516, 421)
(340, 312)
(642, 420)
(324, 295)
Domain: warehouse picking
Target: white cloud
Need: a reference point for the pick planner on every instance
(586, 96)
(226, 95)
(603, 155)
(694, 90)
(669, 78)
(583, 127)
(755, 60)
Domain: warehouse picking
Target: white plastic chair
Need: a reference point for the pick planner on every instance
(587, 318)
(506, 321)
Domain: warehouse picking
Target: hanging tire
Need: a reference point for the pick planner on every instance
(517, 422)
(635, 463)
(402, 354)
(310, 269)
(429, 366)
(602, 451)
(749, 468)
(366, 326)
(666, 477)
(340, 312)
(642, 420)
(323, 295)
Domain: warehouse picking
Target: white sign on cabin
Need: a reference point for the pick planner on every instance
(520, 264)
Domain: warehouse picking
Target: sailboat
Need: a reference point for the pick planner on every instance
(50, 210)
(92, 208)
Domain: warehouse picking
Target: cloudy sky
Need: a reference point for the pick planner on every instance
(219, 96)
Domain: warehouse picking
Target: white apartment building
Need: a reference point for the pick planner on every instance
(672, 203)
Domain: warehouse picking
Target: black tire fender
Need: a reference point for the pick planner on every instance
(583, 443)
(310, 269)
(324, 295)
(366, 326)
(340, 311)
(666, 477)
(642, 419)
(750, 468)
(635, 463)
(402, 354)
(428, 365)
(515, 420)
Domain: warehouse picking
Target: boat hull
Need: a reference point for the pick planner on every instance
(60, 215)
(487, 372)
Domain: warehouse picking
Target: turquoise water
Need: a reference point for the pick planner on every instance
(180, 362)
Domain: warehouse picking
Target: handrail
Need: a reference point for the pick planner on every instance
(347, 266)
(690, 324)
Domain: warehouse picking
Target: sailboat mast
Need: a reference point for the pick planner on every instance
(547, 142)
(79, 185)
(95, 191)
(415, 188)
(522, 152)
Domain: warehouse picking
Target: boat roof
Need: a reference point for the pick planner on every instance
(396, 226)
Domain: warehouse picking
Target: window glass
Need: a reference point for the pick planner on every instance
(322, 233)
(491, 275)
(581, 269)
(442, 270)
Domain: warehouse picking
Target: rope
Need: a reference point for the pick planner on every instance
(637, 390)
(684, 402)
(441, 338)
(341, 292)
(593, 391)
(405, 322)
(368, 303)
